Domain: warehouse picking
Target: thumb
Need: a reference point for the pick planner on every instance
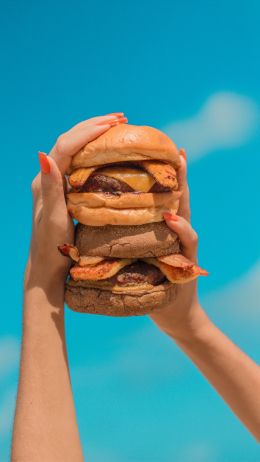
(52, 188)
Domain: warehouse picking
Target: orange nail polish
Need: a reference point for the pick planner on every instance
(113, 122)
(119, 114)
(44, 162)
(170, 216)
(183, 153)
(120, 120)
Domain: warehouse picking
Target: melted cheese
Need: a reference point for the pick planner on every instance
(137, 179)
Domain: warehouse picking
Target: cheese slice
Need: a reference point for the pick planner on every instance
(103, 270)
(137, 179)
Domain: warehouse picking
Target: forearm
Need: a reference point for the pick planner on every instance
(45, 426)
(231, 372)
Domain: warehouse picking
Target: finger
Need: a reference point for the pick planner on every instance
(98, 119)
(184, 206)
(70, 142)
(52, 189)
(187, 235)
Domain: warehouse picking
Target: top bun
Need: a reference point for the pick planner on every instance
(127, 143)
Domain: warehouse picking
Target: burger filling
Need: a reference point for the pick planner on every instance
(145, 176)
(139, 273)
(122, 272)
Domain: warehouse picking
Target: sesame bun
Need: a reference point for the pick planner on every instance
(126, 142)
(149, 240)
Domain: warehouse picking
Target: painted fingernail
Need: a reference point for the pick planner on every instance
(113, 122)
(44, 162)
(183, 153)
(170, 216)
(120, 120)
(118, 114)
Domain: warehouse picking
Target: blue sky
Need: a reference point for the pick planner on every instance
(191, 69)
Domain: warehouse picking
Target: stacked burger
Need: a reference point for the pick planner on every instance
(125, 261)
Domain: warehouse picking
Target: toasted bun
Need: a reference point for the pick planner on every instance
(127, 143)
(122, 201)
(149, 240)
(96, 301)
(102, 216)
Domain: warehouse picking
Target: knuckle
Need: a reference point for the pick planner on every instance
(195, 238)
(35, 186)
(60, 144)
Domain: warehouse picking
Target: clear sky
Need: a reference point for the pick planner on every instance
(191, 69)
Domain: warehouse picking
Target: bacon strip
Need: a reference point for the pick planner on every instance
(79, 177)
(178, 268)
(72, 252)
(164, 174)
(103, 270)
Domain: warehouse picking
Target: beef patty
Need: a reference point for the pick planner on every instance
(138, 273)
(102, 183)
(98, 182)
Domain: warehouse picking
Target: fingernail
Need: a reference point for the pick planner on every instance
(120, 120)
(112, 123)
(44, 162)
(170, 216)
(119, 114)
(183, 153)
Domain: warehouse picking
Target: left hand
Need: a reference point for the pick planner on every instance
(185, 314)
(52, 224)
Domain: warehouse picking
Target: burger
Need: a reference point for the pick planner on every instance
(125, 261)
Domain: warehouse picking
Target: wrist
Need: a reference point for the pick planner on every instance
(192, 328)
(49, 279)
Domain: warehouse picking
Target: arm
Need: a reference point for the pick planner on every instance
(45, 427)
(231, 372)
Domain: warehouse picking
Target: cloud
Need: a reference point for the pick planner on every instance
(199, 451)
(9, 355)
(240, 298)
(226, 120)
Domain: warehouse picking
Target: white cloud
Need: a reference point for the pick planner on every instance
(240, 299)
(9, 355)
(200, 451)
(226, 120)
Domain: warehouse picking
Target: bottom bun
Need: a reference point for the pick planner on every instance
(105, 302)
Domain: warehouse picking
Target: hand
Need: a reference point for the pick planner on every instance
(186, 314)
(52, 224)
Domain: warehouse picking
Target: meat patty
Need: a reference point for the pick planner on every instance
(98, 182)
(103, 183)
(139, 273)
(159, 188)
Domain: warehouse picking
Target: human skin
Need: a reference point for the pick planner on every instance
(234, 375)
(45, 427)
